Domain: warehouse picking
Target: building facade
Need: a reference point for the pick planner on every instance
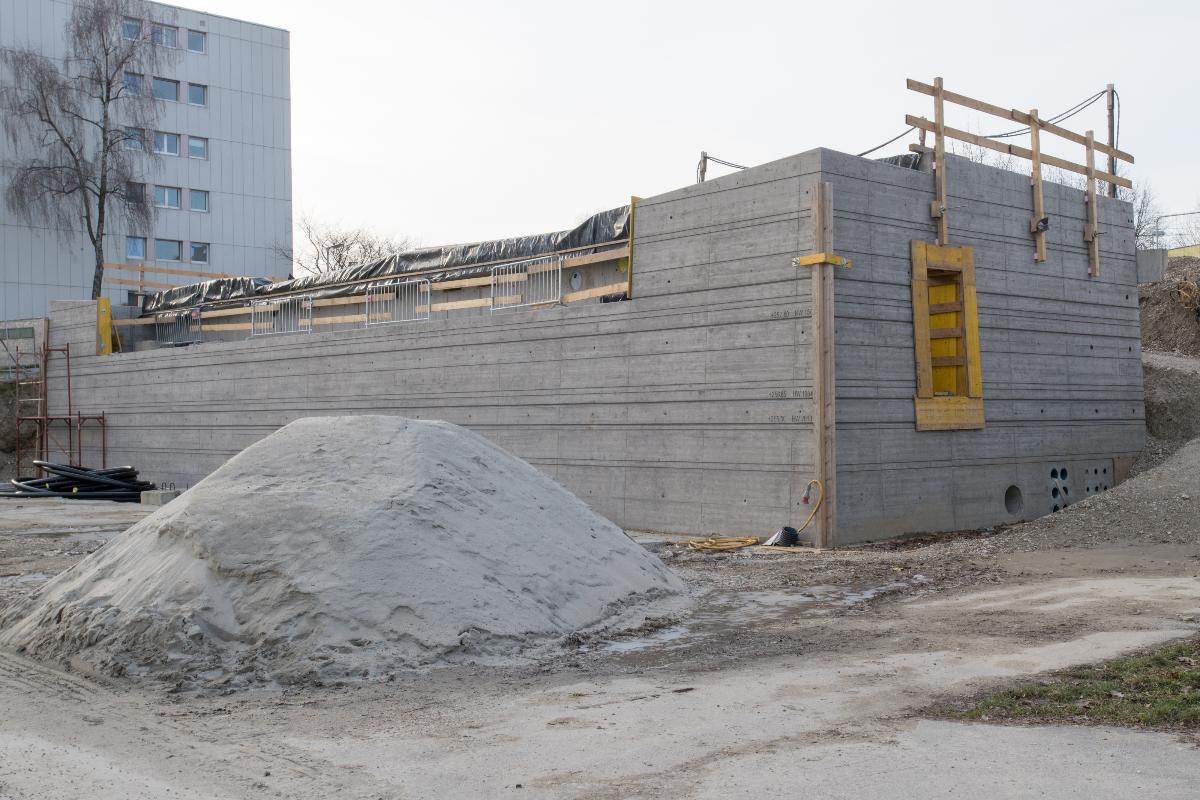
(221, 183)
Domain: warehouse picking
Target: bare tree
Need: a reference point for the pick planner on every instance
(83, 122)
(329, 248)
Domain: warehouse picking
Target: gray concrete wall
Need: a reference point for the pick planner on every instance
(685, 409)
(1062, 379)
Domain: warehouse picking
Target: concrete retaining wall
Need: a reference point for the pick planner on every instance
(685, 409)
(690, 407)
(1062, 378)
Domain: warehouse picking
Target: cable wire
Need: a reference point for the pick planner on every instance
(885, 144)
(1070, 112)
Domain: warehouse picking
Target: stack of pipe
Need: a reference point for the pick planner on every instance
(80, 483)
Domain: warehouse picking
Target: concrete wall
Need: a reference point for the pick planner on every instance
(247, 173)
(689, 408)
(1062, 379)
(685, 409)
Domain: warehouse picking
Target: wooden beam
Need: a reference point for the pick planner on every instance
(140, 284)
(127, 323)
(596, 258)
(1015, 150)
(338, 320)
(1036, 227)
(1016, 116)
(350, 300)
(940, 206)
(482, 302)
(225, 312)
(945, 333)
(1110, 93)
(944, 308)
(225, 326)
(599, 291)
(1091, 232)
(947, 361)
(166, 271)
(462, 283)
(820, 289)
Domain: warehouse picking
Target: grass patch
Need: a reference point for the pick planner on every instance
(1158, 689)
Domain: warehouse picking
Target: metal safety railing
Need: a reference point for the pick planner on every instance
(178, 328)
(398, 301)
(286, 315)
(527, 283)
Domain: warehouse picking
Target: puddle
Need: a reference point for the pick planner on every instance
(27, 579)
(723, 612)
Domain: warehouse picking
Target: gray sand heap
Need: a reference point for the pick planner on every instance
(344, 547)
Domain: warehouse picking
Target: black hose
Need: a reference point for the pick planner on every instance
(118, 484)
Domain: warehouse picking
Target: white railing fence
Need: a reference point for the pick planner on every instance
(285, 315)
(527, 283)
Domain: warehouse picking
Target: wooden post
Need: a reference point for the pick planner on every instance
(1038, 225)
(1091, 231)
(938, 209)
(824, 417)
(1112, 138)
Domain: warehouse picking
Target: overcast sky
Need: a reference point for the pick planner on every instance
(459, 121)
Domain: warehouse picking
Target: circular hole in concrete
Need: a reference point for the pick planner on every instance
(1054, 474)
(1106, 470)
(1062, 473)
(1106, 487)
(1013, 501)
(1054, 509)
(1054, 492)
(1066, 490)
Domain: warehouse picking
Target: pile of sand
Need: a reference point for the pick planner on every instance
(344, 547)
(1170, 319)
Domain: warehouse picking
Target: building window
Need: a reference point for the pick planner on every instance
(135, 192)
(168, 249)
(135, 247)
(197, 41)
(164, 35)
(131, 29)
(197, 200)
(135, 83)
(197, 147)
(197, 94)
(165, 89)
(166, 143)
(200, 252)
(167, 196)
(946, 338)
(134, 139)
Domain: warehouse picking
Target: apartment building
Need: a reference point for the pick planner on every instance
(221, 183)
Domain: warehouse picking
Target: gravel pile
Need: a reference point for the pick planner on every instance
(345, 548)
(1167, 323)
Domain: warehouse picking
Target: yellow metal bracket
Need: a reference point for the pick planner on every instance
(821, 258)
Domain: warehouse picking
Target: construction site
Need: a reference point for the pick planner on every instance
(793, 466)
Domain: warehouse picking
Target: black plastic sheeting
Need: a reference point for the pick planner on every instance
(438, 263)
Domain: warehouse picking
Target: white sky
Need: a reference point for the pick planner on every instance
(459, 121)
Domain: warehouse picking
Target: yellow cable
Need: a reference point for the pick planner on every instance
(718, 544)
(721, 544)
(820, 499)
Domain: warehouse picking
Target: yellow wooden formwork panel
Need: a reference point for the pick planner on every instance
(946, 338)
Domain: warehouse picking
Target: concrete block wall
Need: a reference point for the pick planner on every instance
(1061, 362)
(685, 409)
